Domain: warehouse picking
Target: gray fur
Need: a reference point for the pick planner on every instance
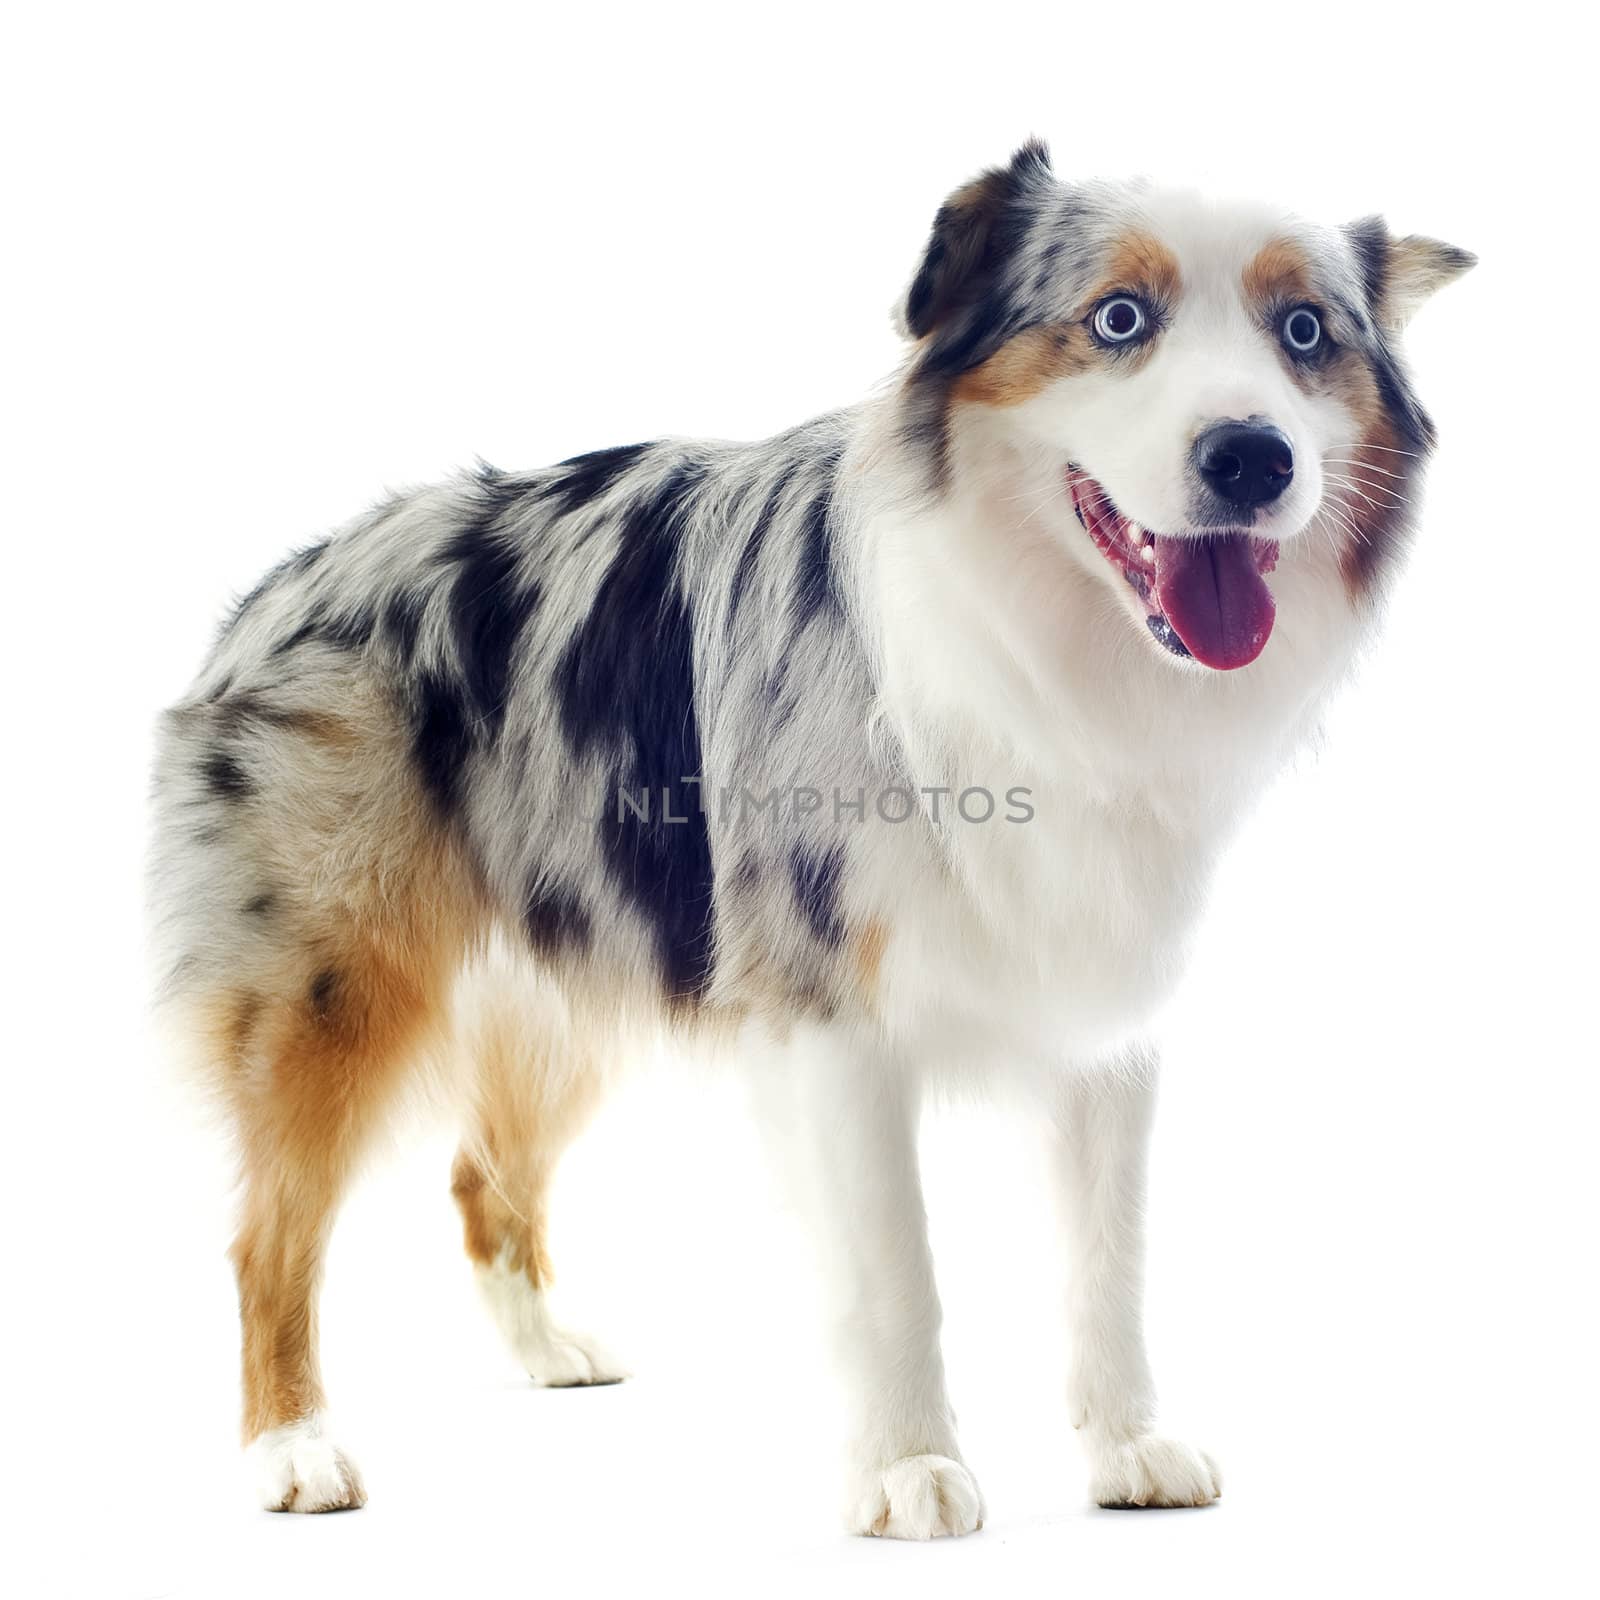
(781, 690)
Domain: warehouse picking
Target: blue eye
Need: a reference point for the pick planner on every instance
(1121, 319)
(1302, 330)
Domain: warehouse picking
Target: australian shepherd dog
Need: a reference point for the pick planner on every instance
(895, 750)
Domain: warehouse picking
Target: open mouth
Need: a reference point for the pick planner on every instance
(1204, 594)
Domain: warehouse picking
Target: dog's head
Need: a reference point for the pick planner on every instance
(1201, 383)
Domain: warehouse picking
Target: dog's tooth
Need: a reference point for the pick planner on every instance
(1149, 552)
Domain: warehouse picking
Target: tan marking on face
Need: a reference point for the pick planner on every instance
(1369, 482)
(1279, 272)
(1030, 362)
(1350, 380)
(1025, 365)
(1368, 516)
(1373, 520)
(1138, 263)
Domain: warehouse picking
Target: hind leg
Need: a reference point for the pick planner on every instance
(537, 1083)
(278, 1256)
(329, 1061)
(314, 913)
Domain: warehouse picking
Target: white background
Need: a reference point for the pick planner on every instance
(262, 262)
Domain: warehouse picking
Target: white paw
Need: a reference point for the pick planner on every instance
(298, 1468)
(916, 1497)
(554, 1357)
(566, 1360)
(1154, 1472)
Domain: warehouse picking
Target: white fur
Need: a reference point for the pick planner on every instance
(915, 1497)
(1034, 953)
(553, 1357)
(298, 1467)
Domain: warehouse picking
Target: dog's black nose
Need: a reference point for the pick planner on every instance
(1245, 463)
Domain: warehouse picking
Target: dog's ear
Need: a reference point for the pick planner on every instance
(972, 235)
(1401, 273)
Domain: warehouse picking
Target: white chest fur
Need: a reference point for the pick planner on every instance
(1013, 668)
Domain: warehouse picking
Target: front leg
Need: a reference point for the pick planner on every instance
(845, 1124)
(1104, 1128)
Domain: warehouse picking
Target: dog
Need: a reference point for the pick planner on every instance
(890, 752)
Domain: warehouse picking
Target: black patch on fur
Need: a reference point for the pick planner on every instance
(625, 686)
(441, 738)
(985, 328)
(225, 777)
(344, 630)
(925, 422)
(310, 627)
(962, 304)
(555, 920)
(1370, 239)
(583, 477)
(401, 624)
(815, 585)
(458, 713)
(490, 604)
(816, 891)
(350, 630)
(974, 234)
(237, 711)
(1411, 422)
(261, 905)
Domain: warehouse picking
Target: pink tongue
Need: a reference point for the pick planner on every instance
(1214, 598)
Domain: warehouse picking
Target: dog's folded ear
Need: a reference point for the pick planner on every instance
(974, 233)
(1402, 273)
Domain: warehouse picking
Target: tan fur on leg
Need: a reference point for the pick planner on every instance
(311, 988)
(331, 1063)
(537, 1081)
